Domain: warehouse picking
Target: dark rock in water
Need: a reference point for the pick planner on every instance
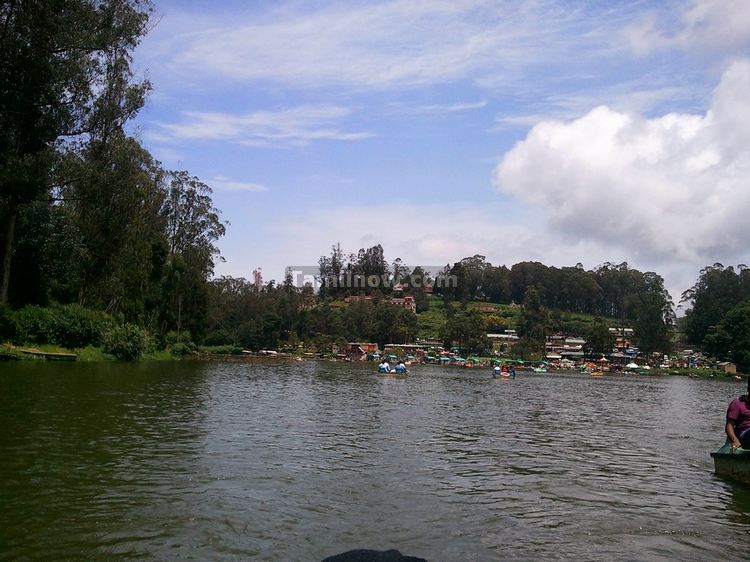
(363, 555)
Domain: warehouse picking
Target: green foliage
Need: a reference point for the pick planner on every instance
(66, 72)
(431, 322)
(533, 322)
(465, 328)
(717, 290)
(124, 341)
(179, 343)
(70, 325)
(221, 349)
(219, 337)
(598, 339)
(730, 339)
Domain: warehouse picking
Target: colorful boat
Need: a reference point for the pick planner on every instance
(734, 465)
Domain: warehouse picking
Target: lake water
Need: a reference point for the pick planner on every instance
(229, 461)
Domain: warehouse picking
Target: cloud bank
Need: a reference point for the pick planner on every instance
(670, 188)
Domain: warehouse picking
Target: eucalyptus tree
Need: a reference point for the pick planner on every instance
(59, 62)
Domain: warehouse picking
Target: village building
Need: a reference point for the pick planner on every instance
(416, 350)
(500, 341)
(728, 367)
(623, 338)
(406, 302)
(356, 351)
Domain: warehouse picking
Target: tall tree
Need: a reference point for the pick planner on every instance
(57, 60)
(730, 338)
(717, 290)
(533, 323)
(598, 339)
(193, 226)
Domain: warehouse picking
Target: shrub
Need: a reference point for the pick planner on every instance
(179, 343)
(221, 349)
(36, 324)
(81, 326)
(219, 337)
(70, 325)
(124, 341)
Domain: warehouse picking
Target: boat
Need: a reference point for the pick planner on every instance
(540, 369)
(734, 465)
(597, 373)
(393, 375)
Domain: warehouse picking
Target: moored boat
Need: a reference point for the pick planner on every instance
(734, 465)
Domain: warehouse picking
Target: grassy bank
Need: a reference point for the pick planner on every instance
(86, 354)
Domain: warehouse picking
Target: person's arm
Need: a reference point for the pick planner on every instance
(729, 429)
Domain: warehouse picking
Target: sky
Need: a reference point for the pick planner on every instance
(548, 130)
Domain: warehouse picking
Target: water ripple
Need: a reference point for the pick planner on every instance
(299, 461)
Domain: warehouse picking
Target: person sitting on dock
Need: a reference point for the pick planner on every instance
(738, 421)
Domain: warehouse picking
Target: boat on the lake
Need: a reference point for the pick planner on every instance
(393, 375)
(734, 465)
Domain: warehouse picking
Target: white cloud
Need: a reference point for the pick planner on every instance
(438, 108)
(224, 183)
(712, 24)
(668, 190)
(296, 126)
(397, 43)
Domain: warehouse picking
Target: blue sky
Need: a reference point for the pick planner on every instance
(555, 131)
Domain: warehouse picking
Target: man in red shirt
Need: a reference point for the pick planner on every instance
(738, 421)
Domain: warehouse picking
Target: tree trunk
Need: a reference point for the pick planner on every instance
(8, 251)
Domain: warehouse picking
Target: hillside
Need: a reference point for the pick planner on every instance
(498, 318)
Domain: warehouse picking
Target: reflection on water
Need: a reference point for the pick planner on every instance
(300, 461)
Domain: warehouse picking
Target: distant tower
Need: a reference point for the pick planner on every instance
(258, 279)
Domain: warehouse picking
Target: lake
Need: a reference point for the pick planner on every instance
(298, 461)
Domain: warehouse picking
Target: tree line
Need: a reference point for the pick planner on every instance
(718, 313)
(89, 215)
(269, 315)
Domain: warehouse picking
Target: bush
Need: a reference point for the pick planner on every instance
(36, 324)
(179, 343)
(81, 326)
(124, 341)
(7, 324)
(219, 337)
(70, 325)
(221, 349)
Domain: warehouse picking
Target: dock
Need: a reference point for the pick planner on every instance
(50, 356)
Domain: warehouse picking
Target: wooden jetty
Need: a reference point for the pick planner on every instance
(50, 356)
